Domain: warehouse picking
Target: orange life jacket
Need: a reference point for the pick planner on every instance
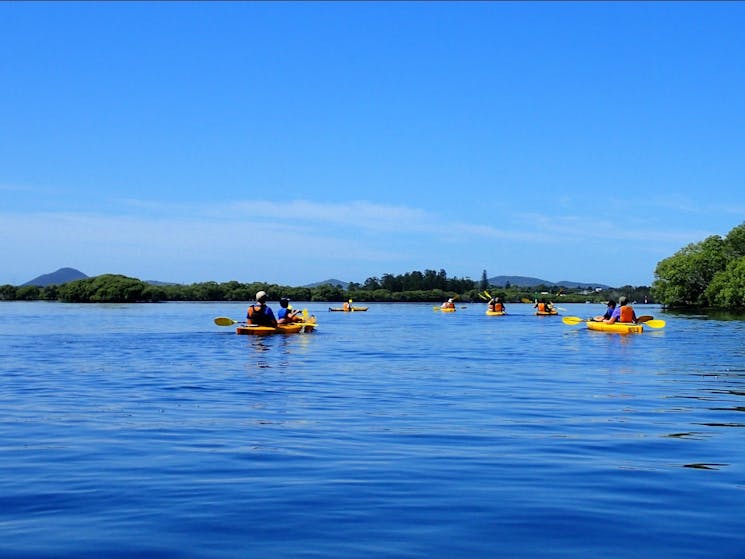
(542, 307)
(627, 314)
(498, 307)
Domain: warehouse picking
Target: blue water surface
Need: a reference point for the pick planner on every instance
(148, 431)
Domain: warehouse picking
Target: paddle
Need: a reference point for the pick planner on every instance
(526, 300)
(225, 321)
(648, 320)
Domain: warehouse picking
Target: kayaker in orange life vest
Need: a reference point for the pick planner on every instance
(259, 314)
(347, 305)
(543, 306)
(449, 304)
(496, 305)
(622, 313)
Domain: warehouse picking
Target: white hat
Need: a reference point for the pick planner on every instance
(260, 295)
(450, 300)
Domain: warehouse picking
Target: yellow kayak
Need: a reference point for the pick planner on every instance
(353, 309)
(617, 327)
(293, 328)
(544, 313)
(495, 313)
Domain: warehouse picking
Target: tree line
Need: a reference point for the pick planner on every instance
(415, 286)
(706, 274)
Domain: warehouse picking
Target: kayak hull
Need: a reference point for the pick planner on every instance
(353, 309)
(616, 327)
(495, 313)
(447, 310)
(280, 329)
(544, 313)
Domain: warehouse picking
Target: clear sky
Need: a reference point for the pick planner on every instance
(295, 142)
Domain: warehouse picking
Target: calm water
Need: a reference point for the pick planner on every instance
(146, 430)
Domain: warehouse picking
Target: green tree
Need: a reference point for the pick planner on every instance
(7, 292)
(484, 281)
(727, 288)
(682, 279)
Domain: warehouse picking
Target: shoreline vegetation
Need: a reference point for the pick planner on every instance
(707, 275)
(422, 287)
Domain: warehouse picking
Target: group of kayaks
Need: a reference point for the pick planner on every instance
(595, 324)
(309, 323)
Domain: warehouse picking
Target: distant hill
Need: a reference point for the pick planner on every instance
(63, 275)
(526, 281)
(336, 282)
(575, 284)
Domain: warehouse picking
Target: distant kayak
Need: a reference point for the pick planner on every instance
(448, 309)
(545, 313)
(616, 327)
(495, 313)
(353, 309)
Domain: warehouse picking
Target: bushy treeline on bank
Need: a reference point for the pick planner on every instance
(427, 286)
(710, 273)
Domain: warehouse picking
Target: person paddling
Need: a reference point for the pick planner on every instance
(259, 313)
(496, 305)
(622, 313)
(285, 315)
(608, 311)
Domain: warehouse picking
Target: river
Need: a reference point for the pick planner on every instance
(148, 431)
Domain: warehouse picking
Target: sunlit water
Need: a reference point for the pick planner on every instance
(146, 430)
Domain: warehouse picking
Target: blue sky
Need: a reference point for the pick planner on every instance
(294, 142)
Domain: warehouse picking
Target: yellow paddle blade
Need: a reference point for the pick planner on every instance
(435, 308)
(655, 323)
(572, 320)
(305, 314)
(224, 321)
(524, 300)
(484, 297)
(487, 294)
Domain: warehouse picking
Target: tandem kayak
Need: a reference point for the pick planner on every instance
(616, 327)
(353, 309)
(293, 328)
(495, 313)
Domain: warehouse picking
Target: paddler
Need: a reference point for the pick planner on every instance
(543, 307)
(622, 313)
(449, 304)
(285, 314)
(496, 305)
(259, 313)
(608, 311)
